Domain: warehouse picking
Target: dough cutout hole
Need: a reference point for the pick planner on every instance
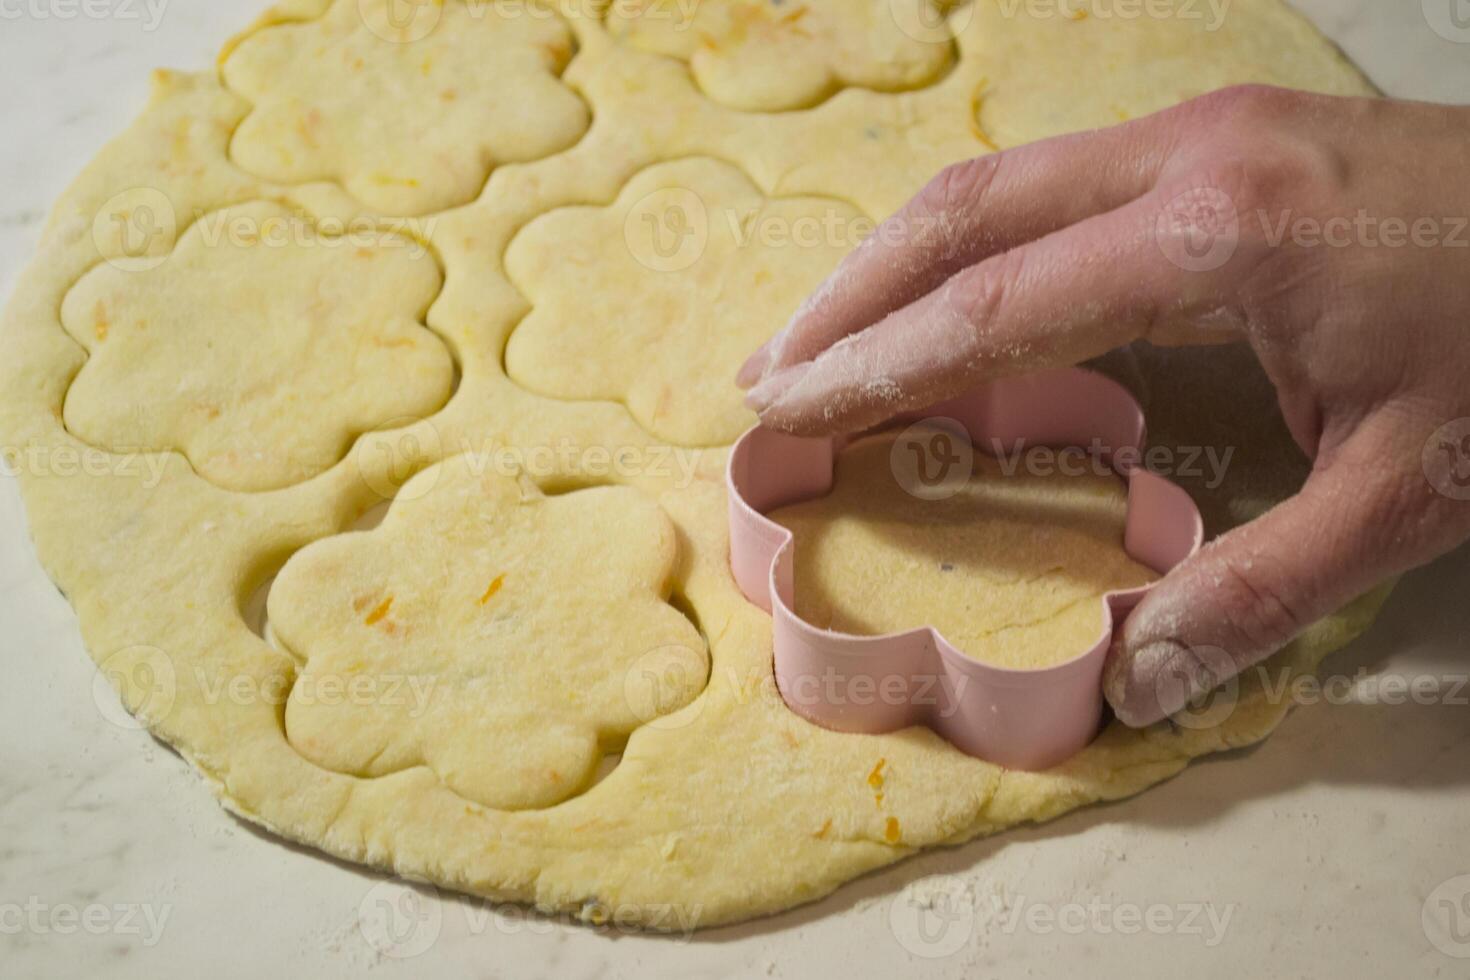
(1010, 567)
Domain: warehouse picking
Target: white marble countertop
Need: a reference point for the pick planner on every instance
(1323, 846)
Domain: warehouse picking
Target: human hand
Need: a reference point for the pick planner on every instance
(1329, 233)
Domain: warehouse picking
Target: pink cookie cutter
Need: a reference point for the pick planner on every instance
(1021, 719)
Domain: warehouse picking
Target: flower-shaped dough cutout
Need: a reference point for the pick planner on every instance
(499, 637)
(410, 114)
(774, 55)
(656, 299)
(260, 348)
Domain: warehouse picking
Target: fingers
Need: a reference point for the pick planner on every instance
(969, 212)
(1072, 295)
(1365, 516)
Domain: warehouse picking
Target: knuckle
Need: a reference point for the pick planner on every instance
(1263, 612)
(1272, 179)
(979, 298)
(1250, 104)
(960, 187)
(1255, 145)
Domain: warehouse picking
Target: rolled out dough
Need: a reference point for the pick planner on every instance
(724, 806)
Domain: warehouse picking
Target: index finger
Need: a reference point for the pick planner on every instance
(969, 212)
(1072, 295)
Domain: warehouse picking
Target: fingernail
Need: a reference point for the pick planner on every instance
(755, 366)
(761, 397)
(1151, 683)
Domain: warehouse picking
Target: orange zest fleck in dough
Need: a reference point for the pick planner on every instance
(826, 829)
(494, 588)
(555, 52)
(665, 398)
(875, 778)
(376, 616)
(891, 830)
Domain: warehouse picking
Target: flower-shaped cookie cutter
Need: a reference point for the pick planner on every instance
(1021, 719)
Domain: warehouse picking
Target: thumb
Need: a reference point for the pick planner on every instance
(1366, 513)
